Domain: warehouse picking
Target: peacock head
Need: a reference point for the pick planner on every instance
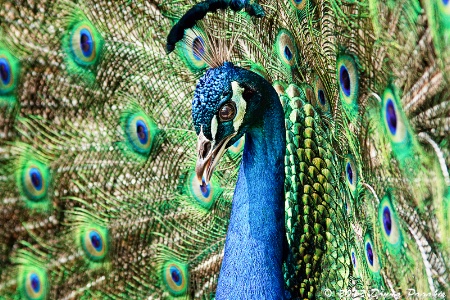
(228, 101)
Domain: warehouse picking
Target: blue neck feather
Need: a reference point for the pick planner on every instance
(252, 264)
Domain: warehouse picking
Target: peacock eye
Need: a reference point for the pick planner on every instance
(227, 112)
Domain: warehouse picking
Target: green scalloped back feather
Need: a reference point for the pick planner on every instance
(314, 207)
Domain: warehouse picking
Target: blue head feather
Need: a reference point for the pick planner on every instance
(214, 89)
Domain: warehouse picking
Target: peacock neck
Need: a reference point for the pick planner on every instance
(253, 258)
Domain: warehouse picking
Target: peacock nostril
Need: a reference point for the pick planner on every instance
(206, 149)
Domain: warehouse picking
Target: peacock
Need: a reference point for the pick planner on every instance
(224, 149)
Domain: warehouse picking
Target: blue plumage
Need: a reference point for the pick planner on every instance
(331, 116)
(252, 264)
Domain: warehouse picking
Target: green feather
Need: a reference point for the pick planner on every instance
(32, 282)
(83, 46)
(140, 133)
(98, 196)
(193, 49)
(33, 180)
(9, 76)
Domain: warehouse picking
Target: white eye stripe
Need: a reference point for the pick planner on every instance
(240, 103)
(214, 125)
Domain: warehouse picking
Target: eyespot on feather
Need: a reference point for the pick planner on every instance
(299, 4)
(85, 44)
(285, 48)
(395, 126)
(193, 49)
(94, 241)
(140, 132)
(388, 222)
(175, 277)
(9, 75)
(320, 98)
(33, 179)
(371, 255)
(205, 194)
(348, 82)
(32, 283)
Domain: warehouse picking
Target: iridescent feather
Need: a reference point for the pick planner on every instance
(99, 197)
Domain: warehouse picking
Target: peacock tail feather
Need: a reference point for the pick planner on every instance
(99, 197)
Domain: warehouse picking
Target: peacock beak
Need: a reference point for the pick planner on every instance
(209, 156)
